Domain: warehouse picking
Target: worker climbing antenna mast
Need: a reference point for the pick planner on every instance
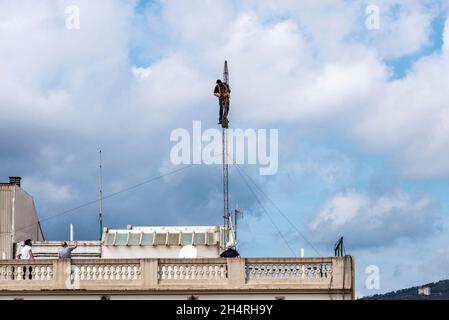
(225, 157)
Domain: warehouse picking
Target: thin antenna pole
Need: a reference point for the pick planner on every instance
(225, 178)
(235, 224)
(237, 213)
(226, 73)
(100, 214)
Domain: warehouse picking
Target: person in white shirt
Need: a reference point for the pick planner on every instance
(26, 254)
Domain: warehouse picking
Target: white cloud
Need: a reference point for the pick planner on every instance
(410, 119)
(53, 76)
(403, 32)
(141, 72)
(365, 221)
(299, 65)
(48, 192)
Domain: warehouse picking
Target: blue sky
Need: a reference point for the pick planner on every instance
(362, 118)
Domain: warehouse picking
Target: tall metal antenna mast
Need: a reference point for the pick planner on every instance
(225, 162)
(100, 214)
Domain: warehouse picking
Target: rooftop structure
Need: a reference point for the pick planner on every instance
(18, 217)
(50, 249)
(142, 242)
(238, 278)
(162, 242)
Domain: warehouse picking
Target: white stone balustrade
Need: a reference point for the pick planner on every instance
(326, 276)
(22, 272)
(199, 271)
(267, 270)
(105, 272)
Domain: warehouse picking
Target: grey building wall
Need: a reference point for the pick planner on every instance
(6, 196)
(18, 219)
(26, 222)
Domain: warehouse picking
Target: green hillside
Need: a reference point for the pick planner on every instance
(439, 291)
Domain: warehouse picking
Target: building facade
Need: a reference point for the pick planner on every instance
(18, 218)
(153, 263)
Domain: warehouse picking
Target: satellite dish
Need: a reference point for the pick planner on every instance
(188, 252)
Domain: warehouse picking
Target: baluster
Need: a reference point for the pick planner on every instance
(107, 272)
(275, 272)
(166, 272)
(132, 271)
(44, 272)
(40, 272)
(217, 272)
(98, 272)
(82, 271)
(290, 272)
(313, 271)
(208, 273)
(178, 272)
(182, 271)
(117, 272)
(36, 273)
(189, 273)
(122, 272)
(19, 273)
(27, 272)
(169, 271)
(200, 272)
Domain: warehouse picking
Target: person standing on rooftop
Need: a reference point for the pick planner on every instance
(66, 252)
(26, 253)
(230, 251)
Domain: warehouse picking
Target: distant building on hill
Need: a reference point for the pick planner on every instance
(425, 291)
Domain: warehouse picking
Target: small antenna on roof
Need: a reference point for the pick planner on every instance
(100, 214)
